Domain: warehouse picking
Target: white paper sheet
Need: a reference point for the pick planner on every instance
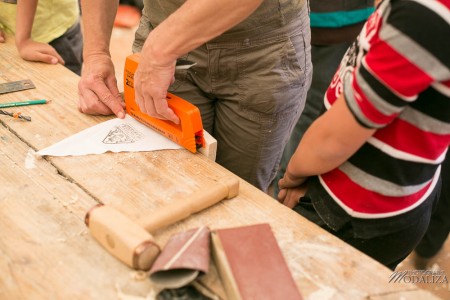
(116, 135)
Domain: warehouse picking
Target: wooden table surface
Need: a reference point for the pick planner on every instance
(46, 251)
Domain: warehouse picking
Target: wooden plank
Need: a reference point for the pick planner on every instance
(45, 249)
(48, 253)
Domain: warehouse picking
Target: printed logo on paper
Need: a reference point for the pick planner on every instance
(122, 134)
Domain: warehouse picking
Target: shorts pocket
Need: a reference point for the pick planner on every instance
(272, 74)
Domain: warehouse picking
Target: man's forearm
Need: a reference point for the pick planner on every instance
(98, 21)
(194, 23)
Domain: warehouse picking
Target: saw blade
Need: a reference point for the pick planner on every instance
(15, 86)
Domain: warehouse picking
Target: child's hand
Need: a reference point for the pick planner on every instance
(34, 51)
(2, 36)
(291, 196)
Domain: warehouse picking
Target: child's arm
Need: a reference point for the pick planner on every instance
(2, 36)
(29, 49)
(24, 20)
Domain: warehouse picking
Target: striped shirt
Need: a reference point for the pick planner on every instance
(395, 78)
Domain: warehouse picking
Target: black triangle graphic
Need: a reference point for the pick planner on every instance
(122, 134)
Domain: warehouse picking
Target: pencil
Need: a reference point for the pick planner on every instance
(24, 103)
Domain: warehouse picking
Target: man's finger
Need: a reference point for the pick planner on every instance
(113, 103)
(165, 111)
(91, 105)
(111, 83)
(105, 96)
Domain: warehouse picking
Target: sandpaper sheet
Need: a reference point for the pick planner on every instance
(115, 135)
(251, 264)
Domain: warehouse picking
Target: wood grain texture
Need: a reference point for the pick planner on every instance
(45, 251)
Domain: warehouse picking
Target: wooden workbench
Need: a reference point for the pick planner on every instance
(46, 251)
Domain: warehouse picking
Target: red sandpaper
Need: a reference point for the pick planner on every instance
(251, 264)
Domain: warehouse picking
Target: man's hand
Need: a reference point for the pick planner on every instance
(35, 51)
(151, 82)
(97, 88)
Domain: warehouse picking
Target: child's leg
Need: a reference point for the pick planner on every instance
(388, 249)
(439, 228)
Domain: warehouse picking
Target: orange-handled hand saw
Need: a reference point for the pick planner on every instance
(189, 133)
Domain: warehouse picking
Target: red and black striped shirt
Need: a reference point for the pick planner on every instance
(395, 78)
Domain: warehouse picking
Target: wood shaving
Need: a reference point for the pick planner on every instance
(122, 296)
(139, 275)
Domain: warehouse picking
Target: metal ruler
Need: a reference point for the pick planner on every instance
(15, 86)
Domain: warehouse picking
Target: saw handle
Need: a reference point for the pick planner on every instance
(226, 188)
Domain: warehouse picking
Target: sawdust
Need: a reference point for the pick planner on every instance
(310, 257)
(325, 293)
(123, 296)
(74, 199)
(30, 160)
(139, 275)
(69, 203)
(303, 253)
(435, 267)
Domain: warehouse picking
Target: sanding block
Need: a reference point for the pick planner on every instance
(184, 257)
(189, 133)
(251, 264)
